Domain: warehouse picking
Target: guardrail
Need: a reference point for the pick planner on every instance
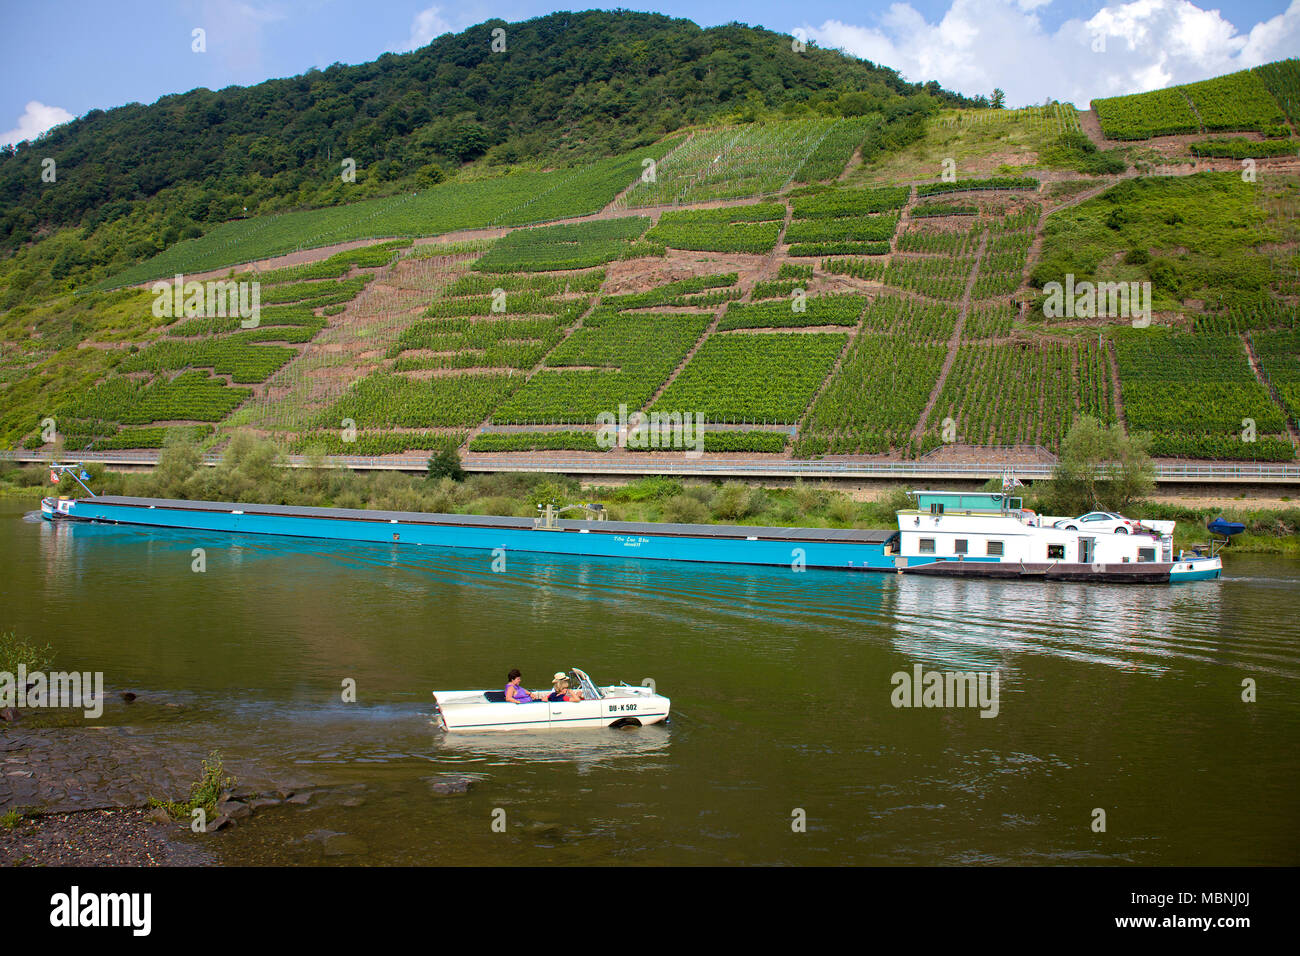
(639, 464)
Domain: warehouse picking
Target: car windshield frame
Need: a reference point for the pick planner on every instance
(588, 687)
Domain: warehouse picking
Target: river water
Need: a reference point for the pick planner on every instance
(785, 746)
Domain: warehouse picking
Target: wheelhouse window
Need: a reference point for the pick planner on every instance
(936, 509)
(927, 545)
(960, 546)
(1146, 554)
(1056, 552)
(995, 549)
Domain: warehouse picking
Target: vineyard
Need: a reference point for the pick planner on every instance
(834, 342)
(517, 199)
(877, 396)
(751, 160)
(1022, 395)
(1237, 101)
(1260, 99)
(1282, 79)
(753, 377)
(938, 277)
(1279, 356)
(1158, 113)
(797, 312)
(190, 396)
(1241, 148)
(977, 185)
(221, 344)
(387, 400)
(1055, 118)
(1197, 396)
(613, 359)
(536, 441)
(844, 222)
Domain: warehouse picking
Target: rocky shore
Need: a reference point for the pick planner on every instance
(125, 837)
(71, 796)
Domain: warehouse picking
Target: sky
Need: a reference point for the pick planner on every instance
(58, 59)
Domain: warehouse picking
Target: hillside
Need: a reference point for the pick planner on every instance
(811, 286)
(569, 87)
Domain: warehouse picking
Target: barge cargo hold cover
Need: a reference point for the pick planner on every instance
(829, 548)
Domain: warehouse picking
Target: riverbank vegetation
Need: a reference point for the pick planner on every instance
(204, 792)
(15, 652)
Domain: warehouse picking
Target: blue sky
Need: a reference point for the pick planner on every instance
(61, 59)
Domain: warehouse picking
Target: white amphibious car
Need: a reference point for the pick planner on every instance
(618, 706)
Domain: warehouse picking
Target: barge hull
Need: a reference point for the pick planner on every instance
(1145, 573)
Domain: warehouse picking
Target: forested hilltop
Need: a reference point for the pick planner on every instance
(569, 86)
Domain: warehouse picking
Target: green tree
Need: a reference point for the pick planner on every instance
(999, 99)
(445, 464)
(1100, 467)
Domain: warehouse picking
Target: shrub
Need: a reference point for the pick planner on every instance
(733, 501)
(685, 509)
(843, 509)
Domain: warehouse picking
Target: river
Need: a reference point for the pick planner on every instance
(784, 747)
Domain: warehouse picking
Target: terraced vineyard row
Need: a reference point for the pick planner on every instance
(385, 400)
(1279, 357)
(935, 239)
(728, 441)
(680, 292)
(752, 229)
(1052, 118)
(550, 248)
(937, 277)
(197, 343)
(838, 222)
(191, 396)
(796, 312)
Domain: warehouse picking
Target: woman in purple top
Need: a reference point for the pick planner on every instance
(515, 694)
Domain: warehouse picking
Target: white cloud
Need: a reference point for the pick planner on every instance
(235, 35)
(36, 119)
(428, 25)
(981, 44)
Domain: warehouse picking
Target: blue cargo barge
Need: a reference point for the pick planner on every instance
(978, 535)
(842, 549)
